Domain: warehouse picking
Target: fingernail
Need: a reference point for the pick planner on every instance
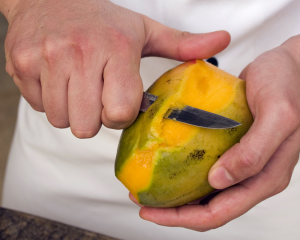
(220, 178)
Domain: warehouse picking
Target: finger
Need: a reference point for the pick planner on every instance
(55, 96)
(281, 165)
(132, 198)
(167, 42)
(55, 75)
(122, 90)
(234, 201)
(31, 90)
(22, 65)
(9, 68)
(84, 98)
(226, 206)
(272, 125)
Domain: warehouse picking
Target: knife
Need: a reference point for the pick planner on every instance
(191, 115)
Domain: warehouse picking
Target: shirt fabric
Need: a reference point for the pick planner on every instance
(52, 174)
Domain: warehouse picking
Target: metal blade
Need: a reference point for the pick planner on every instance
(201, 118)
(191, 115)
(147, 101)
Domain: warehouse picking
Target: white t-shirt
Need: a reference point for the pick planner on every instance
(52, 174)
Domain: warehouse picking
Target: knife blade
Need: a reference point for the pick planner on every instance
(191, 115)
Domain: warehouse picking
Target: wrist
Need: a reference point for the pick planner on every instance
(6, 8)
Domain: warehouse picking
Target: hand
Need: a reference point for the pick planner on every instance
(261, 165)
(79, 60)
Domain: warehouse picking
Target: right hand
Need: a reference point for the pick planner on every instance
(78, 61)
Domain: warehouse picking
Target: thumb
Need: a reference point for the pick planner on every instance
(273, 124)
(163, 41)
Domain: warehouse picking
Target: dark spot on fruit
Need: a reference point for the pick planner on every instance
(170, 80)
(172, 175)
(196, 155)
(218, 156)
(231, 131)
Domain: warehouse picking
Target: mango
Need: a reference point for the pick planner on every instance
(165, 163)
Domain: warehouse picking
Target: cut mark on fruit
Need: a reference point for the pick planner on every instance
(176, 133)
(201, 92)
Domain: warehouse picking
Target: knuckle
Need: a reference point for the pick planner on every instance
(121, 115)
(282, 185)
(121, 41)
(249, 162)
(212, 219)
(81, 46)
(288, 113)
(50, 51)
(284, 181)
(9, 69)
(21, 60)
(179, 35)
(77, 45)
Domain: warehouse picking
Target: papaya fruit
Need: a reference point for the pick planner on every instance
(165, 163)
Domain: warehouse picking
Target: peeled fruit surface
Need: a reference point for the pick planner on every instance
(165, 163)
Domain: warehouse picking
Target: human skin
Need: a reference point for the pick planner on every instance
(261, 165)
(79, 62)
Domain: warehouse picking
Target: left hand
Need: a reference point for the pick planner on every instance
(261, 165)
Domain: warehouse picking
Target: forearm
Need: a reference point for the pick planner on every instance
(6, 7)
